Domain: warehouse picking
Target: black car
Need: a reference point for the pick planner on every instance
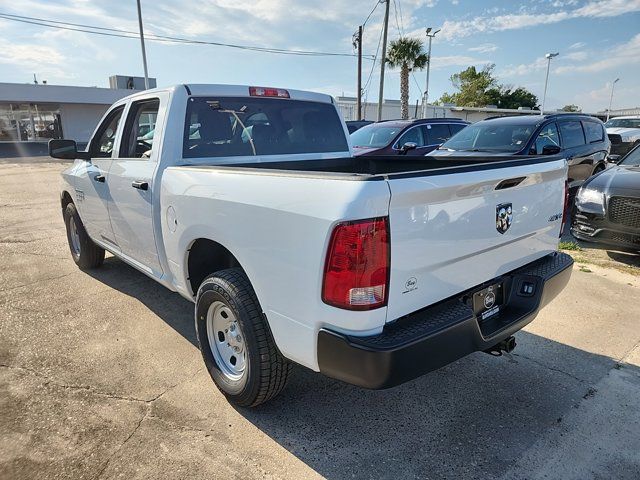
(607, 207)
(404, 137)
(353, 125)
(581, 139)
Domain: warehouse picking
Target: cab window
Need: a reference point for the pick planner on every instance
(105, 138)
(548, 136)
(140, 129)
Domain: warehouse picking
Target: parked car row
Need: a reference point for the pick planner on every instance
(604, 184)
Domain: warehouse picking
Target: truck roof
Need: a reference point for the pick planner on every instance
(221, 90)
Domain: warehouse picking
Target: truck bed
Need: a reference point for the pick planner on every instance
(384, 167)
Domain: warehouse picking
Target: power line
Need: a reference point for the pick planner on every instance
(371, 13)
(113, 32)
(395, 11)
(373, 66)
(401, 19)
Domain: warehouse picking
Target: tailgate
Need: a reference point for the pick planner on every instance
(451, 232)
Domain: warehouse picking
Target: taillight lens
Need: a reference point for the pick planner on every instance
(356, 274)
(565, 211)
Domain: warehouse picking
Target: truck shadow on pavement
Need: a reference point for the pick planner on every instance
(475, 418)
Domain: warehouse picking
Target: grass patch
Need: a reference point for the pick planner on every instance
(569, 246)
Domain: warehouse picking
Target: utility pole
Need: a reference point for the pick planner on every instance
(358, 43)
(383, 59)
(611, 97)
(425, 98)
(144, 53)
(548, 56)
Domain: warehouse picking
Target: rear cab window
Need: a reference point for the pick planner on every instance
(572, 134)
(248, 126)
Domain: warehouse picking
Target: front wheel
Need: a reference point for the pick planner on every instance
(84, 252)
(235, 341)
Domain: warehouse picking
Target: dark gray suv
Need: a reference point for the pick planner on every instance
(581, 139)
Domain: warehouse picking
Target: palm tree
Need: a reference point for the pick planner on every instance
(407, 54)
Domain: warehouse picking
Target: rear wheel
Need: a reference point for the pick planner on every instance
(235, 341)
(84, 252)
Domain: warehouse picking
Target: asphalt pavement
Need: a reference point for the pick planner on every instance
(100, 378)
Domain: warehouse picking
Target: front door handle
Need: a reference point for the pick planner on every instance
(140, 185)
(99, 178)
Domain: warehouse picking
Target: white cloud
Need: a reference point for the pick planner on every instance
(484, 48)
(456, 60)
(624, 54)
(525, 19)
(42, 59)
(577, 46)
(523, 69)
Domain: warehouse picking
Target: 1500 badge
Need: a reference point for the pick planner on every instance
(556, 217)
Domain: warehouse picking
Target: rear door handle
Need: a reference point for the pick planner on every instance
(99, 178)
(140, 185)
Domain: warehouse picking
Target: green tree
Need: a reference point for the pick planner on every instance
(406, 54)
(477, 88)
(571, 108)
(473, 86)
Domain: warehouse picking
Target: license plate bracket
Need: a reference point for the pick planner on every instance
(488, 301)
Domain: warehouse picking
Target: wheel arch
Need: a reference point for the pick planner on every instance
(65, 199)
(204, 257)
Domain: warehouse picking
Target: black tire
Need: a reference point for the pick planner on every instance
(265, 369)
(88, 255)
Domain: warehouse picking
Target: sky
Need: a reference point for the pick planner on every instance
(598, 41)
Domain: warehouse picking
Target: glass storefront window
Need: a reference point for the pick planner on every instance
(29, 122)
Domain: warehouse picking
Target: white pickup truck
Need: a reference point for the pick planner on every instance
(248, 202)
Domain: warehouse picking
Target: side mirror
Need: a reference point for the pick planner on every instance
(613, 158)
(66, 150)
(551, 150)
(408, 146)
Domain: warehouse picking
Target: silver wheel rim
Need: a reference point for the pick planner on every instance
(226, 341)
(75, 237)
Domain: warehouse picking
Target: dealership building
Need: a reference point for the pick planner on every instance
(39, 112)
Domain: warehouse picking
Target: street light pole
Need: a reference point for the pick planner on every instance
(611, 98)
(425, 97)
(548, 56)
(383, 59)
(144, 53)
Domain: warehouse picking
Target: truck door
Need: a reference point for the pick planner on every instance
(131, 182)
(92, 188)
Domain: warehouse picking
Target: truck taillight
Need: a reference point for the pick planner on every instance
(356, 273)
(565, 210)
(268, 92)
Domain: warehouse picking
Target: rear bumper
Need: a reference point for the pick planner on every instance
(435, 336)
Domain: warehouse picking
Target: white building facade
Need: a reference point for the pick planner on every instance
(39, 112)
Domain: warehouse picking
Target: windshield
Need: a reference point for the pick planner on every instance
(490, 137)
(374, 136)
(623, 123)
(632, 158)
(232, 127)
